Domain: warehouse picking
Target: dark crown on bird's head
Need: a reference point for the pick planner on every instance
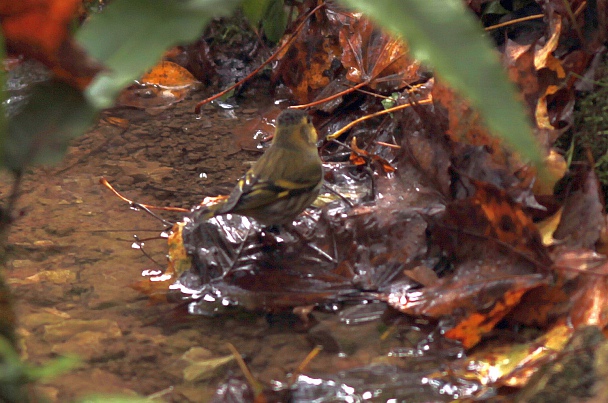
(291, 117)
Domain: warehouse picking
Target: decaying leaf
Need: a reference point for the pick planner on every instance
(374, 57)
(165, 84)
(308, 64)
(487, 221)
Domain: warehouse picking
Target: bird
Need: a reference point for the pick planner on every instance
(284, 181)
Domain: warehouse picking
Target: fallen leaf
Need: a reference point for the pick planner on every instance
(374, 57)
(167, 83)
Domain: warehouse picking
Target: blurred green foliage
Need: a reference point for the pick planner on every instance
(270, 13)
(14, 373)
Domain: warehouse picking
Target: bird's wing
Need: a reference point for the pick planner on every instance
(267, 182)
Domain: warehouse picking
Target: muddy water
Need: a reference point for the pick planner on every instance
(72, 264)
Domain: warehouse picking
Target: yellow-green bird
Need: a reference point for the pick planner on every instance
(284, 181)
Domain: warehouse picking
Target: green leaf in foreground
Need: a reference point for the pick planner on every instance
(254, 10)
(131, 35)
(15, 374)
(39, 134)
(275, 21)
(444, 34)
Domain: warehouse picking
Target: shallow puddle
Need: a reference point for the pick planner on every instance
(72, 261)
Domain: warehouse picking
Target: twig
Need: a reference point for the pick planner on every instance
(515, 21)
(373, 115)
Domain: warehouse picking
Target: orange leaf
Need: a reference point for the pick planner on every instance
(39, 29)
(157, 286)
(360, 157)
(169, 75)
(37, 26)
(470, 330)
(164, 85)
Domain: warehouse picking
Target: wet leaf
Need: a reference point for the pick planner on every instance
(359, 156)
(449, 39)
(145, 29)
(205, 369)
(157, 286)
(513, 365)
(472, 301)
(490, 220)
(383, 382)
(372, 56)
(307, 65)
(250, 135)
(235, 262)
(165, 84)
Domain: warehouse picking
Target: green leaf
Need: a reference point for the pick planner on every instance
(495, 7)
(41, 131)
(445, 35)
(255, 10)
(53, 368)
(275, 21)
(131, 35)
(389, 102)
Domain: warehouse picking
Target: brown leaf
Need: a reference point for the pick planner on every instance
(477, 297)
(583, 213)
(520, 67)
(260, 128)
(360, 157)
(466, 126)
(487, 221)
(307, 65)
(372, 56)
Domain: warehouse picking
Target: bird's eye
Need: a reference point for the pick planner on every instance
(308, 119)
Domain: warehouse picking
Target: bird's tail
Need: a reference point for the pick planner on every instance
(206, 210)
